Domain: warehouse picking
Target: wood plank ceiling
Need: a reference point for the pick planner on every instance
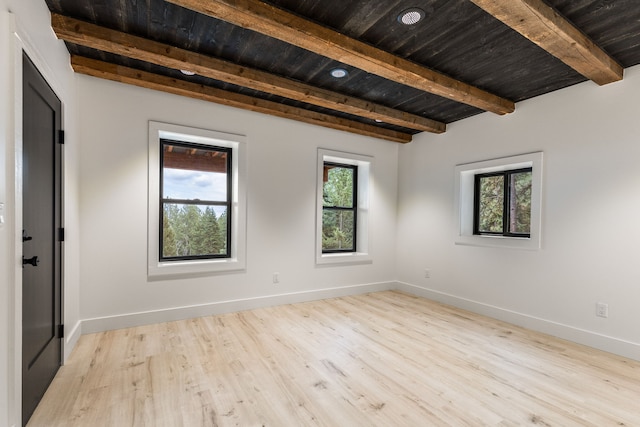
(463, 58)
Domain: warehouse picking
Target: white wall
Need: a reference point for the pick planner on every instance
(281, 210)
(590, 137)
(6, 229)
(24, 24)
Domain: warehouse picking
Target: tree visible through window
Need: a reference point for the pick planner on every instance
(339, 209)
(503, 203)
(195, 201)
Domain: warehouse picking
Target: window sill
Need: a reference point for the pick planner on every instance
(174, 269)
(499, 242)
(344, 259)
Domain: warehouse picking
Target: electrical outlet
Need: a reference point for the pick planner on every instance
(602, 309)
(276, 277)
(427, 273)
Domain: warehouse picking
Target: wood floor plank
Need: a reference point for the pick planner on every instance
(381, 359)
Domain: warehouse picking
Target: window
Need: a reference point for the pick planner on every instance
(197, 201)
(498, 202)
(339, 207)
(344, 193)
(502, 204)
(196, 198)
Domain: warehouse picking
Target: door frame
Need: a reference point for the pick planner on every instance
(20, 42)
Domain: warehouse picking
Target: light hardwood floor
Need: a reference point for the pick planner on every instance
(382, 359)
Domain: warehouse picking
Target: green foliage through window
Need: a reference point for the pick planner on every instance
(339, 200)
(503, 203)
(192, 230)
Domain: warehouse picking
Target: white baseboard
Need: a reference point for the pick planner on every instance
(614, 345)
(71, 338)
(100, 324)
(592, 339)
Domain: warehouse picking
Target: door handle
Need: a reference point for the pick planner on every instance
(33, 261)
(25, 238)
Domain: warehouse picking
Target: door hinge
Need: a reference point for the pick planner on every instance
(60, 331)
(60, 234)
(60, 136)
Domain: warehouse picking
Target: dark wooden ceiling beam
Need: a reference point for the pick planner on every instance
(100, 38)
(277, 23)
(545, 27)
(147, 80)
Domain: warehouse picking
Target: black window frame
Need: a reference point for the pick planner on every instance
(228, 203)
(354, 208)
(505, 203)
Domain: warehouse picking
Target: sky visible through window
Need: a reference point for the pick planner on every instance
(192, 185)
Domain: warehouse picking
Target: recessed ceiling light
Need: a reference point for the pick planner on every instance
(411, 16)
(339, 73)
(187, 72)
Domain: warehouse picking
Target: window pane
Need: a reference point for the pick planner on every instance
(337, 230)
(520, 203)
(193, 230)
(338, 186)
(193, 173)
(491, 204)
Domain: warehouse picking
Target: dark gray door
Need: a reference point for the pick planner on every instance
(41, 247)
